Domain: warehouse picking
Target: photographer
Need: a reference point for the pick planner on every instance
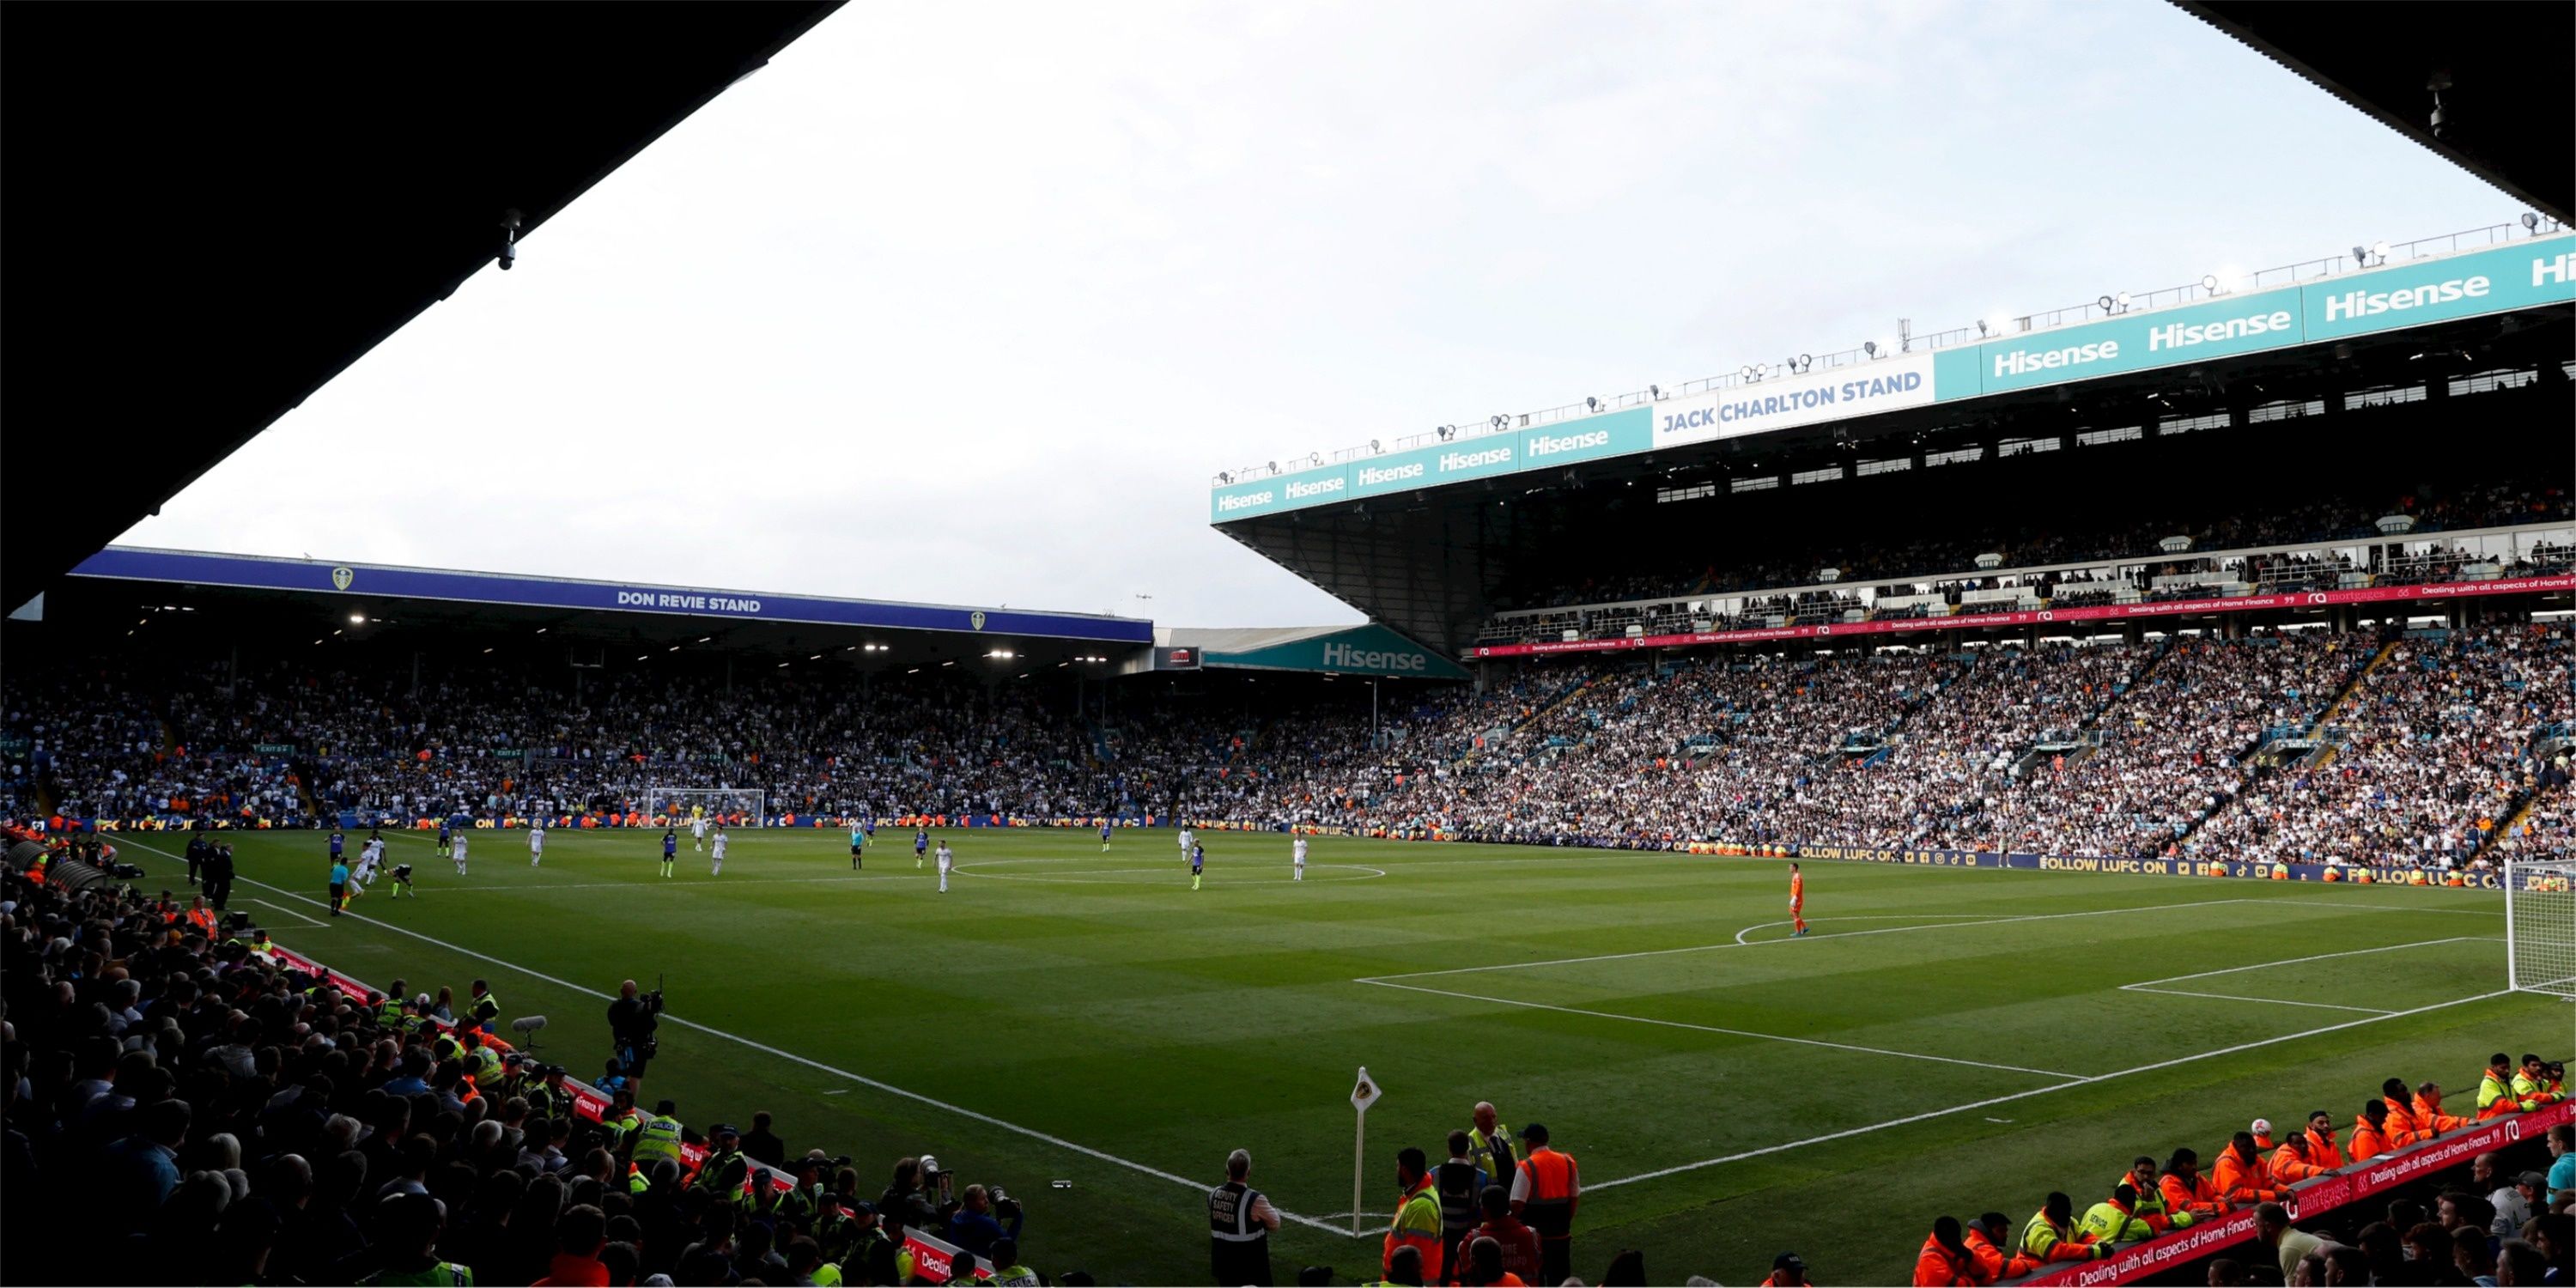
(631, 1021)
(973, 1226)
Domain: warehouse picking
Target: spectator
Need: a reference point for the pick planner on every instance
(1519, 1243)
(2514, 1204)
(974, 1227)
(2288, 1244)
(762, 1145)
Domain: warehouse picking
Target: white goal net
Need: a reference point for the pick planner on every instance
(734, 806)
(2540, 927)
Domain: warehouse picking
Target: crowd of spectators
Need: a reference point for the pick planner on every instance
(1599, 608)
(185, 1107)
(2436, 752)
(2190, 745)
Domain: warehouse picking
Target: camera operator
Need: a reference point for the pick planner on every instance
(631, 1021)
(973, 1226)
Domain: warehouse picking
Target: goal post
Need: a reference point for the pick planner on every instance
(2540, 927)
(737, 804)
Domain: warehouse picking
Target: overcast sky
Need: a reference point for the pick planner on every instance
(966, 302)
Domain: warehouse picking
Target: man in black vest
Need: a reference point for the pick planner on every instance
(1240, 1223)
(217, 868)
(1460, 1184)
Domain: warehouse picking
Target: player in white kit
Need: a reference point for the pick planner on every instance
(1187, 840)
(947, 860)
(697, 830)
(460, 852)
(1298, 849)
(536, 842)
(370, 858)
(720, 849)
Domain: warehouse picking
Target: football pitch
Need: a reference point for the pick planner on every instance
(1085, 1030)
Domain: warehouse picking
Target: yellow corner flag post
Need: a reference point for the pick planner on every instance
(1362, 1096)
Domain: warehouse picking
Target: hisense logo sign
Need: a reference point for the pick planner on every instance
(1452, 462)
(1247, 500)
(1557, 444)
(1345, 657)
(2361, 304)
(1378, 476)
(1298, 491)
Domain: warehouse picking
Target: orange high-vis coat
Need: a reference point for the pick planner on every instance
(2244, 1181)
(2289, 1166)
(2403, 1130)
(2198, 1196)
(2366, 1141)
(2322, 1151)
(1936, 1267)
(1993, 1262)
(2430, 1117)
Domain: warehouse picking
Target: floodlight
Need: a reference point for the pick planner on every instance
(2379, 251)
(1869, 347)
(2124, 299)
(2360, 254)
(2530, 222)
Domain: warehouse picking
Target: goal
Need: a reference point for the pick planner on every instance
(2540, 927)
(735, 805)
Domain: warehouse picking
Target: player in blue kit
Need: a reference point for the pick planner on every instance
(337, 841)
(1198, 864)
(1104, 836)
(670, 848)
(920, 847)
(446, 839)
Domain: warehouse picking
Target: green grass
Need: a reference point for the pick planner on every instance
(1097, 1000)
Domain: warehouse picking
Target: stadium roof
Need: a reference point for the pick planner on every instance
(220, 207)
(2506, 114)
(1422, 536)
(663, 610)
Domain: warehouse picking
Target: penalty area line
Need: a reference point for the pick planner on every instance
(790, 1056)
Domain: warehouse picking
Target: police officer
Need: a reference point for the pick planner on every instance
(547, 1097)
(1490, 1145)
(724, 1164)
(1240, 1223)
(657, 1137)
(485, 1008)
(197, 848)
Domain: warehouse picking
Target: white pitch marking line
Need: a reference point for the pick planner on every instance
(1991, 1101)
(290, 912)
(1892, 916)
(1711, 1028)
(2293, 961)
(2270, 1001)
(763, 1048)
(1755, 943)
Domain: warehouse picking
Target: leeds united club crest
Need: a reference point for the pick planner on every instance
(976, 619)
(341, 577)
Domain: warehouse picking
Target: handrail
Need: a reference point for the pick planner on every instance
(2209, 287)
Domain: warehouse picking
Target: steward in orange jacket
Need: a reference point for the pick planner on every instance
(2370, 1138)
(2150, 1206)
(2184, 1189)
(1945, 1261)
(2428, 1111)
(2291, 1164)
(1987, 1238)
(2401, 1127)
(2242, 1178)
(2322, 1151)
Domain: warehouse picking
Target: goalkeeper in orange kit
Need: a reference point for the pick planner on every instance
(1797, 900)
